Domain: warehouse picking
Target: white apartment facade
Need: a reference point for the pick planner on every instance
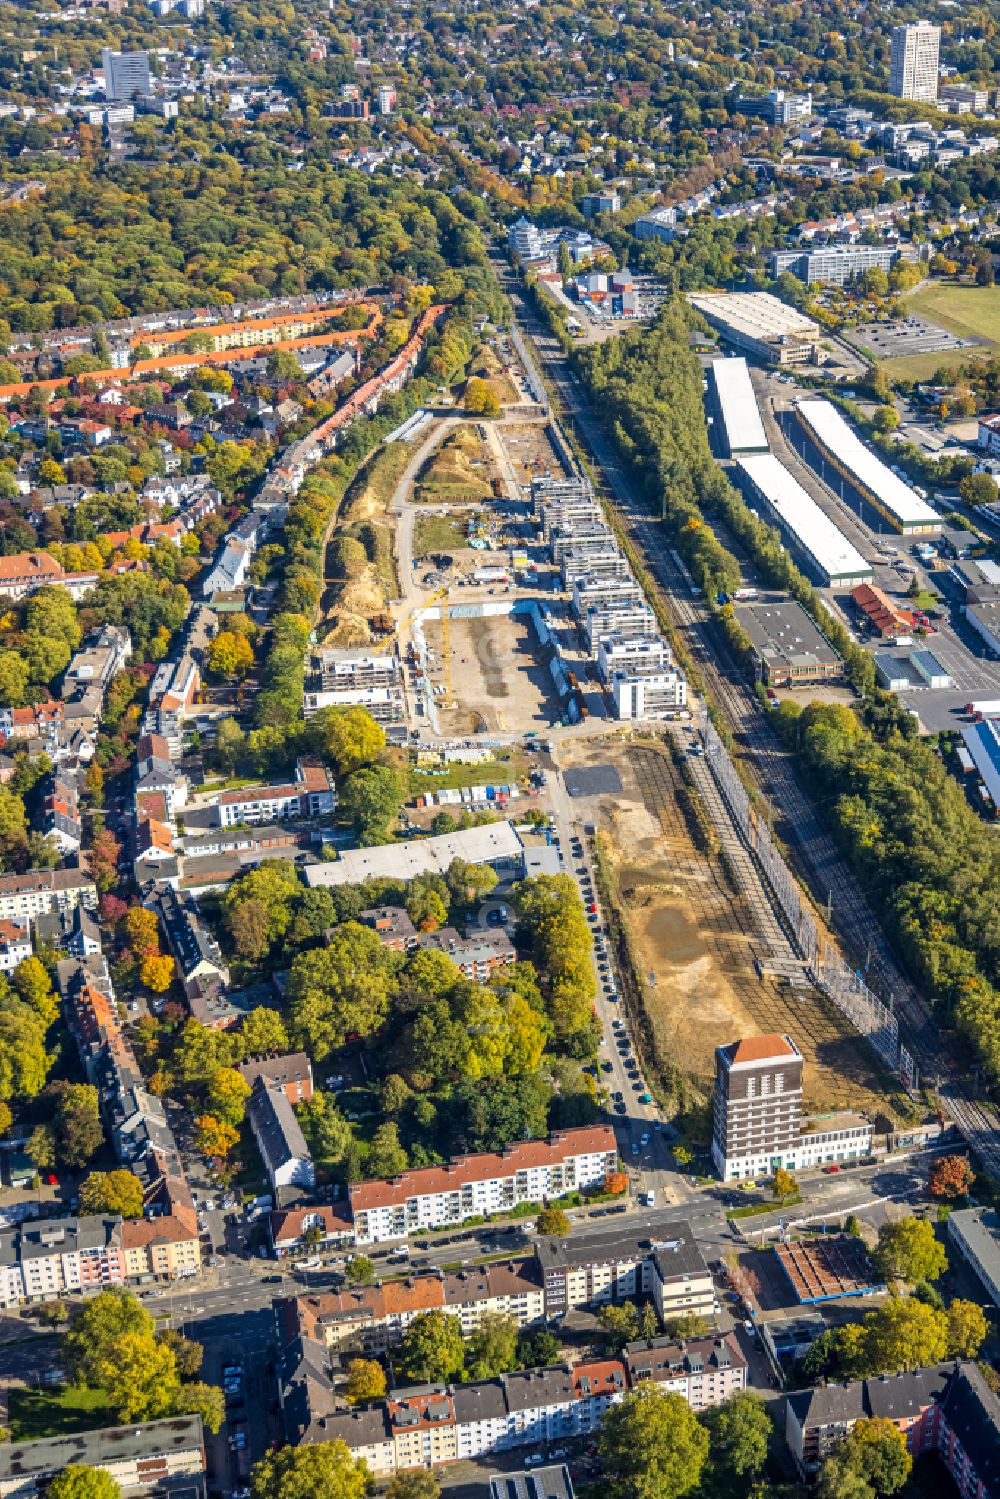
(480, 1185)
(648, 692)
(39, 891)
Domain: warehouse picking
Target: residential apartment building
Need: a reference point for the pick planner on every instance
(162, 1459)
(777, 107)
(279, 1138)
(39, 891)
(126, 75)
(648, 692)
(311, 794)
(758, 1125)
(529, 1408)
(344, 679)
(15, 942)
(975, 1233)
(913, 61)
(615, 1266)
(948, 1409)
(291, 1073)
(474, 1185)
(194, 949)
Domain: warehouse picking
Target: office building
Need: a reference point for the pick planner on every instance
(913, 61)
(834, 264)
(776, 107)
(126, 75)
(788, 648)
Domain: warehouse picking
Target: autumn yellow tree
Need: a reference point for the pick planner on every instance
(213, 1137)
(143, 930)
(157, 972)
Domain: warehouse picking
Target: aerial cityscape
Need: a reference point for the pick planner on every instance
(499, 750)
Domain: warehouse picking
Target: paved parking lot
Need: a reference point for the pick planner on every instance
(910, 335)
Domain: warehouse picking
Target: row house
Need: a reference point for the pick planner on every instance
(194, 949)
(528, 1408)
(480, 1185)
(60, 814)
(291, 1073)
(948, 1409)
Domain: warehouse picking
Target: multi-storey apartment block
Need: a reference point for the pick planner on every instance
(474, 1185)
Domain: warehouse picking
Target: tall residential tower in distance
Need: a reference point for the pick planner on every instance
(126, 75)
(913, 62)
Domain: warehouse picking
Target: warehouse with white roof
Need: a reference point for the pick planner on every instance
(736, 404)
(805, 529)
(841, 446)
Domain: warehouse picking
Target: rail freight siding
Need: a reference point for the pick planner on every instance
(985, 708)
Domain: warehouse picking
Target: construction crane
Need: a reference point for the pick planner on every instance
(401, 627)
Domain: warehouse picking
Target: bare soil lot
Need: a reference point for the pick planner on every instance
(694, 942)
(497, 676)
(529, 450)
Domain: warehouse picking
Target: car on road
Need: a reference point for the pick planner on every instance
(533, 1460)
(831, 1170)
(621, 1108)
(644, 1140)
(591, 908)
(635, 1148)
(606, 1067)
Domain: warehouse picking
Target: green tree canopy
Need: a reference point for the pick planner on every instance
(653, 1446)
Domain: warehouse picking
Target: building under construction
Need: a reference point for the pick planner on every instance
(828, 1269)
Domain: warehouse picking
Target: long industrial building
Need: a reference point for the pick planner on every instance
(760, 324)
(840, 445)
(982, 740)
(803, 525)
(736, 403)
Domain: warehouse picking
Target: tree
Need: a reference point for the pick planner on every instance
(967, 1329)
(213, 1137)
(537, 1348)
(902, 1334)
(365, 1381)
(327, 1131)
(188, 1355)
(78, 1482)
(348, 737)
(42, 1147)
(341, 990)
(78, 1130)
(978, 489)
(227, 1096)
(263, 1034)
(414, 1483)
(908, 1250)
(117, 1192)
(157, 972)
(204, 1400)
(951, 1176)
(738, 1433)
(32, 982)
(554, 1223)
(784, 1185)
(360, 1271)
(470, 883)
(230, 745)
(480, 399)
(492, 1348)
(6, 1118)
(111, 1346)
(871, 1457)
(143, 929)
(386, 1156)
(371, 799)
(230, 655)
(653, 1446)
(24, 1062)
(432, 1350)
(283, 365)
(620, 1324)
(249, 925)
(324, 1470)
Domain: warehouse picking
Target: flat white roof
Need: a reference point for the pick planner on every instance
(840, 439)
(755, 313)
(738, 407)
(486, 845)
(828, 547)
(982, 740)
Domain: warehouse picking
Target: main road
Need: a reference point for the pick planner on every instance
(833, 882)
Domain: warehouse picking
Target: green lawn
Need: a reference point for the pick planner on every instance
(56, 1413)
(969, 311)
(451, 777)
(438, 533)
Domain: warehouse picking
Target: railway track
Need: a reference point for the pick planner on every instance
(766, 760)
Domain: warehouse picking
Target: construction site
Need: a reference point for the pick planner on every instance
(696, 942)
(828, 1269)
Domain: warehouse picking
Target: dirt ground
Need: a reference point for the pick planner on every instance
(497, 677)
(529, 450)
(694, 942)
(459, 471)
